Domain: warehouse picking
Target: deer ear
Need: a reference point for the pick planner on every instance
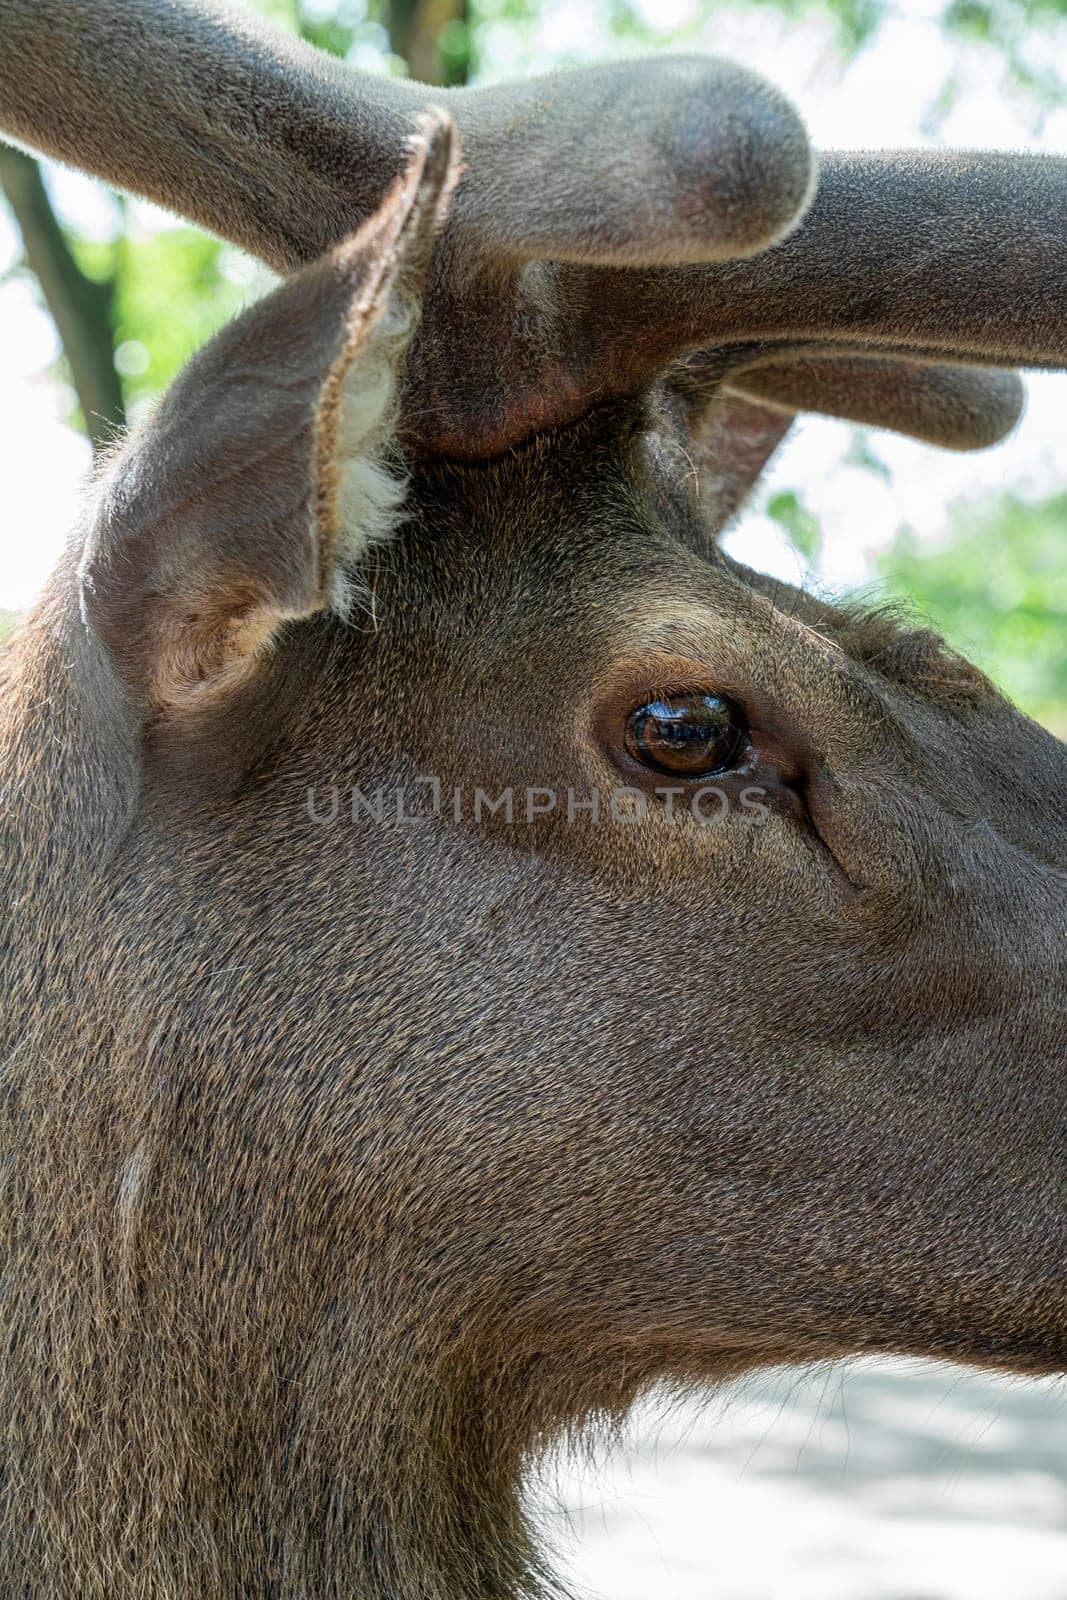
(270, 467)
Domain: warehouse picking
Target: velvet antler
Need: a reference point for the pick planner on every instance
(609, 221)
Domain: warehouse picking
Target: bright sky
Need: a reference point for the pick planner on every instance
(883, 99)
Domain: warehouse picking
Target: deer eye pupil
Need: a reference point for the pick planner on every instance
(687, 735)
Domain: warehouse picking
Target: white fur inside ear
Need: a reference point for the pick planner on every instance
(372, 480)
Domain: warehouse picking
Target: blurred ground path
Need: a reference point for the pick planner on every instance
(875, 1481)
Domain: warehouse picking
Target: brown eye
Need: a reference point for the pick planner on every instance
(688, 735)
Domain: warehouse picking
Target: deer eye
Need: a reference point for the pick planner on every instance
(688, 735)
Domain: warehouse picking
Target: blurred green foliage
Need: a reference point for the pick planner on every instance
(996, 586)
(1014, 27)
(792, 515)
(173, 290)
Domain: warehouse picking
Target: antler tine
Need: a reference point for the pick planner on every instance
(955, 407)
(283, 150)
(668, 161)
(255, 136)
(958, 408)
(935, 256)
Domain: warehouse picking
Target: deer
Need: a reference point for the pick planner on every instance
(355, 1154)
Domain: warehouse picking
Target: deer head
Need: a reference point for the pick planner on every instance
(473, 950)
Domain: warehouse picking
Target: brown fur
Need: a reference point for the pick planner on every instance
(348, 1164)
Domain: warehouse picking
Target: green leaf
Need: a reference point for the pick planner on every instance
(804, 532)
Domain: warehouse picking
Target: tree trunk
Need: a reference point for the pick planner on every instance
(81, 308)
(432, 37)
